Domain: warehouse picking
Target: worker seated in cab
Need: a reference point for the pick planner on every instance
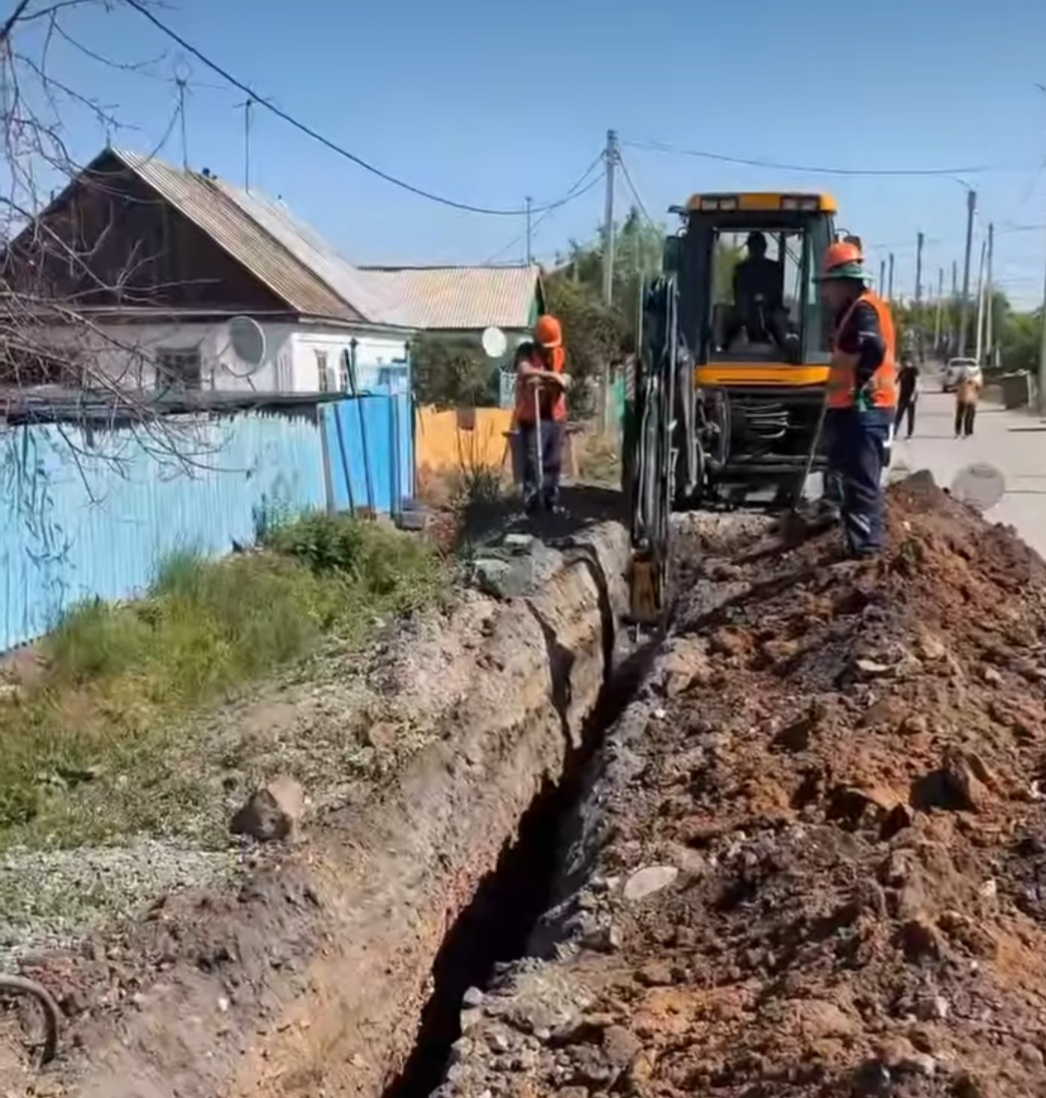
(759, 308)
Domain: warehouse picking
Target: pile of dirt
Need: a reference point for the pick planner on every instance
(820, 861)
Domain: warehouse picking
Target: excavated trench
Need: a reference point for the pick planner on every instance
(343, 967)
(502, 923)
(496, 927)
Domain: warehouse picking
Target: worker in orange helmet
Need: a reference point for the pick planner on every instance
(541, 386)
(861, 398)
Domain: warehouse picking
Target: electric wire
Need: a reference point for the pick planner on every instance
(640, 205)
(333, 146)
(579, 188)
(752, 162)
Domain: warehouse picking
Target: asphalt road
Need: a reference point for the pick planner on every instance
(1013, 442)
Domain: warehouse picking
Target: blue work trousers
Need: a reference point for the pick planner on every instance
(550, 441)
(857, 444)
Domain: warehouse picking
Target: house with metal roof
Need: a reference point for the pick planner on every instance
(175, 278)
(461, 300)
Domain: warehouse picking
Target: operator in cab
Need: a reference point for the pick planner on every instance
(861, 398)
(541, 412)
(758, 285)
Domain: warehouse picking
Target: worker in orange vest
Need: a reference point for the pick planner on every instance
(541, 387)
(861, 397)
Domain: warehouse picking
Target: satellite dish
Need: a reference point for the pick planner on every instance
(979, 485)
(248, 341)
(495, 342)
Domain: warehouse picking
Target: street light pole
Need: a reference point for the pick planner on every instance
(971, 209)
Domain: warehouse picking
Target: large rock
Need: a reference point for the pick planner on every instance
(271, 813)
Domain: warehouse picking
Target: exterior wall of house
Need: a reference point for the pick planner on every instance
(127, 353)
(380, 359)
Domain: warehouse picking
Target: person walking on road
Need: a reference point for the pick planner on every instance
(967, 393)
(541, 412)
(907, 393)
(862, 395)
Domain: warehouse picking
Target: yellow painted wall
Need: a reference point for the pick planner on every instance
(461, 439)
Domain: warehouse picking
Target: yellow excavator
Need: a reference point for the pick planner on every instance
(725, 404)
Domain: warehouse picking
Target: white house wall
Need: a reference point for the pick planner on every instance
(126, 353)
(372, 353)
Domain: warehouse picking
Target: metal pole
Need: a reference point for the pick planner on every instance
(882, 276)
(247, 144)
(1040, 402)
(940, 302)
(989, 349)
(610, 156)
(919, 269)
(978, 345)
(889, 282)
(530, 253)
(964, 304)
(953, 302)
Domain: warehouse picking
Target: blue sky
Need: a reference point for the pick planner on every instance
(487, 103)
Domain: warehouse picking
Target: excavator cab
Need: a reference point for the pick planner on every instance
(725, 405)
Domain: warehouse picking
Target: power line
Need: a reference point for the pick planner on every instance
(659, 146)
(579, 188)
(327, 142)
(635, 193)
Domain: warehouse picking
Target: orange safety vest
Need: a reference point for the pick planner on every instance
(553, 399)
(842, 376)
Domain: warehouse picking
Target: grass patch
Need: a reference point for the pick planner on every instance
(90, 751)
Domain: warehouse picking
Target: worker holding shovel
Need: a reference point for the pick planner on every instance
(861, 400)
(541, 413)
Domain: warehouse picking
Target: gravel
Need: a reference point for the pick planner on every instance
(54, 899)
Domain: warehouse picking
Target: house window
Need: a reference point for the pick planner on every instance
(322, 371)
(178, 369)
(343, 371)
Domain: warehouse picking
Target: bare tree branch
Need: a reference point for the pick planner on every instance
(81, 249)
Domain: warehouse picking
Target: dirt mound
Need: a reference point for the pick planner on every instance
(825, 870)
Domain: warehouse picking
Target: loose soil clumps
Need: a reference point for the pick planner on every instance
(820, 862)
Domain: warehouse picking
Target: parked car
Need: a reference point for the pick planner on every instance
(955, 370)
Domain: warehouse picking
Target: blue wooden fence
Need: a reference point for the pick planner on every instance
(370, 446)
(93, 515)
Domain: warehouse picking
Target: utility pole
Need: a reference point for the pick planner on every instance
(978, 346)
(180, 83)
(989, 349)
(610, 157)
(247, 104)
(971, 209)
(953, 302)
(530, 254)
(940, 303)
(1040, 401)
(919, 240)
(882, 276)
(889, 282)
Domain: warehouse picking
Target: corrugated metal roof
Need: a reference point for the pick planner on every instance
(466, 298)
(315, 253)
(291, 259)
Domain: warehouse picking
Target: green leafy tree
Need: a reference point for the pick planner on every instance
(593, 333)
(453, 371)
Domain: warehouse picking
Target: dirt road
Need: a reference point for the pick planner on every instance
(812, 861)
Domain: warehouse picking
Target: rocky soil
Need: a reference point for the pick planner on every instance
(812, 860)
(211, 964)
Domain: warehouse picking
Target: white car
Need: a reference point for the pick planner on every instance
(956, 369)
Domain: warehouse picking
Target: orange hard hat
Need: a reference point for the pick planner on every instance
(548, 331)
(840, 253)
